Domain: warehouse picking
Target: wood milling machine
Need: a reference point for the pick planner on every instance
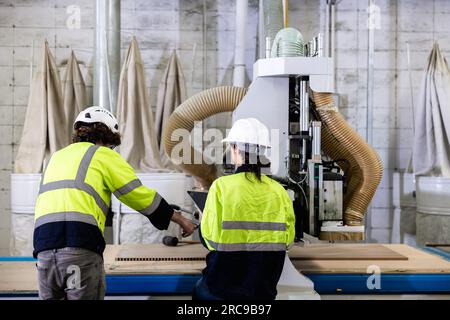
(329, 169)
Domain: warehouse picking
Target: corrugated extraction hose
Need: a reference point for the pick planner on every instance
(198, 108)
(340, 141)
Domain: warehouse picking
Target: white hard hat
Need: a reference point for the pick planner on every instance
(98, 114)
(249, 131)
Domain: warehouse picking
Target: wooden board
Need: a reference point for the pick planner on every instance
(20, 277)
(419, 262)
(160, 252)
(140, 259)
(196, 252)
(344, 252)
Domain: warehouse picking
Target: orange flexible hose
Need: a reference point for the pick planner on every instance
(341, 141)
(198, 108)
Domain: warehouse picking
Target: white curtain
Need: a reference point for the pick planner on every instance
(74, 92)
(431, 154)
(139, 143)
(45, 127)
(171, 93)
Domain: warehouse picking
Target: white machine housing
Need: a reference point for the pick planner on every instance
(280, 89)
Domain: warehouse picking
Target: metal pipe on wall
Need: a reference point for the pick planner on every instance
(327, 30)
(370, 74)
(261, 38)
(107, 53)
(333, 38)
(328, 39)
(239, 51)
(113, 41)
(205, 52)
(370, 91)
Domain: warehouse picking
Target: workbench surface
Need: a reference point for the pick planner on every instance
(155, 259)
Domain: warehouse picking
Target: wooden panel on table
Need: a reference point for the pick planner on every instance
(160, 252)
(418, 262)
(18, 276)
(344, 252)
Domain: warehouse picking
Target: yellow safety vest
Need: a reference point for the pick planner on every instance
(78, 182)
(243, 215)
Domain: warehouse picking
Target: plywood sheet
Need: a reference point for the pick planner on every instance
(345, 252)
(419, 262)
(160, 252)
(196, 252)
(20, 277)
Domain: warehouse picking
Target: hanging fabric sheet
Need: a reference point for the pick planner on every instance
(74, 92)
(171, 93)
(431, 154)
(139, 143)
(45, 127)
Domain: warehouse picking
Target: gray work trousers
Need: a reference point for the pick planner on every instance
(70, 274)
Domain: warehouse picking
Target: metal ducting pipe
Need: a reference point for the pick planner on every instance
(198, 108)
(365, 169)
(239, 51)
(107, 53)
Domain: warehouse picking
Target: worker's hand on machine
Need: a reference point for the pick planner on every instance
(187, 225)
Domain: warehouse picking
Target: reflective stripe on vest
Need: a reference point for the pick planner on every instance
(152, 206)
(66, 216)
(253, 225)
(79, 182)
(130, 186)
(254, 246)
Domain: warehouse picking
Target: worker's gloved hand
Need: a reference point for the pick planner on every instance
(187, 225)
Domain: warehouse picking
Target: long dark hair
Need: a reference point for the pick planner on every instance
(253, 163)
(95, 133)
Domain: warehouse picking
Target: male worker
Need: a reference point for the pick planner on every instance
(73, 203)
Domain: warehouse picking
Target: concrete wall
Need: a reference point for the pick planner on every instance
(163, 25)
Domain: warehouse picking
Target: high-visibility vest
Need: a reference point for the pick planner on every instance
(243, 215)
(78, 182)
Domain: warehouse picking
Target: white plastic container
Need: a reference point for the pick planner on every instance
(433, 195)
(433, 210)
(132, 227)
(24, 192)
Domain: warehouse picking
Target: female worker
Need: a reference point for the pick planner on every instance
(73, 203)
(247, 223)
